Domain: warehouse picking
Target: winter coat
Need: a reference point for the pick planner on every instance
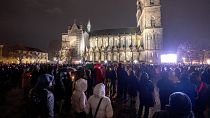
(26, 78)
(78, 99)
(105, 110)
(132, 85)
(188, 88)
(43, 85)
(99, 76)
(146, 90)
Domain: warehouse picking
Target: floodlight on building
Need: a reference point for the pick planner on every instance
(169, 58)
(135, 61)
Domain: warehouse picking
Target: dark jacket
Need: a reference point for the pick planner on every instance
(47, 109)
(146, 90)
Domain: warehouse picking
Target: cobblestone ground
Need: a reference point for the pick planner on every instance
(13, 106)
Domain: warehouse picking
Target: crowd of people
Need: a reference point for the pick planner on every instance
(52, 90)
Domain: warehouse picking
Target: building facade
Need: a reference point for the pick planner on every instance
(142, 43)
(21, 54)
(72, 45)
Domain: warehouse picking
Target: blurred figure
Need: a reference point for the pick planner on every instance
(166, 88)
(187, 87)
(78, 99)
(41, 98)
(146, 97)
(180, 106)
(132, 87)
(113, 78)
(122, 76)
(201, 102)
(26, 82)
(99, 104)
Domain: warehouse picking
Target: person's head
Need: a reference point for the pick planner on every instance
(179, 104)
(80, 72)
(195, 77)
(144, 76)
(99, 90)
(165, 75)
(177, 72)
(184, 77)
(44, 81)
(81, 85)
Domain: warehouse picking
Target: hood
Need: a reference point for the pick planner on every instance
(81, 85)
(44, 81)
(180, 103)
(99, 90)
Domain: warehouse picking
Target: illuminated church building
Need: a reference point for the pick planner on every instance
(143, 43)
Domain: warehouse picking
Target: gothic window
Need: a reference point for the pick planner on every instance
(99, 42)
(116, 41)
(152, 21)
(152, 2)
(122, 42)
(110, 41)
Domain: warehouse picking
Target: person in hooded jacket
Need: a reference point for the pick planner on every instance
(78, 99)
(146, 95)
(105, 108)
(187, 87)
(166, 88)
(179, 106)
(41, 98)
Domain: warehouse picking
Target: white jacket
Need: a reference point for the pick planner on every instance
(105, 109)
(78, 99)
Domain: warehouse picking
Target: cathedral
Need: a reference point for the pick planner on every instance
(143, 43)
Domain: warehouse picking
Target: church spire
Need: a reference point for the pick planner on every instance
(88, 26)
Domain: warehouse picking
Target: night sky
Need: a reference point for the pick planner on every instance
(37, 22)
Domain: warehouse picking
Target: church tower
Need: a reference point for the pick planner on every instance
(149, 21)
(88, 27)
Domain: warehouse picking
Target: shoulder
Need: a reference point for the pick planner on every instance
(48, 93)
(106, 99)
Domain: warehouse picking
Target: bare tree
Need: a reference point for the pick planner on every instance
(71, 53)
(18, 54)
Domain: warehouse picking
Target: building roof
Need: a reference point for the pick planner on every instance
(117, 31)
(25, 48)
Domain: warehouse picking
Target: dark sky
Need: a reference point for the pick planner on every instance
(37, 22)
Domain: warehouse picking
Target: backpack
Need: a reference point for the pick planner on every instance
(38, 102)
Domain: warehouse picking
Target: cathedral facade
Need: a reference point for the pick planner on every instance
(143, 43)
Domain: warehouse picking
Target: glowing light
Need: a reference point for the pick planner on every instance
(55, 59)
(168, 58)
(105, 62)
(135, 61)
(72, 78)
(32, 61)
(208, 61)
(150, 61)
